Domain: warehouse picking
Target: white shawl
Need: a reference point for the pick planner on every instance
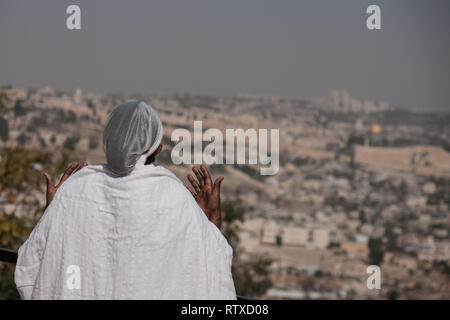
(140, 236)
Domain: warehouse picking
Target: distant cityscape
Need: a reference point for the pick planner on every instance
(360, 182)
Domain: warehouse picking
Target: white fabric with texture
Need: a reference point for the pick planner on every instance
(140, 236)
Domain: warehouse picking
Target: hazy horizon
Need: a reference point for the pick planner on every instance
(288, 48)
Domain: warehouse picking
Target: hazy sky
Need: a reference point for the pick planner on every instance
(291, 48)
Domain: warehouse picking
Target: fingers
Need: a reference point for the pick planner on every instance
(199, 176)
(206, 175)
(68, 172)
(191, 191)
(85, 164)
(49, 180)
(204, 179)
(217, 184)
(194, 183)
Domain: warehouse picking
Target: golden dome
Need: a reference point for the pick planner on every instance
(375, 128)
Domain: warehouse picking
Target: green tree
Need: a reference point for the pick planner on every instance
(2, 104)
(376, 251)
(392, 294)
(21, 173)
(8, 289)
(23, 138)
(4, 129)
(232, 215)
(391, 237)
(13, 232)
(19, 109)
(71, 143)
(250, 274)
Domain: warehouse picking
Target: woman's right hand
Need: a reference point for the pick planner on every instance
(51, 187)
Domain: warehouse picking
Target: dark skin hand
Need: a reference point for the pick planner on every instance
(207, 193)
(51, 187)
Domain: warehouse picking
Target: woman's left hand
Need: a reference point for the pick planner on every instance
(207, 194)
(51, 187)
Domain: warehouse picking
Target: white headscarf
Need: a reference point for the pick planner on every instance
(132, 133)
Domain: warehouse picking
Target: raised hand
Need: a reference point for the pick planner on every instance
(51, 187)
(206, 193)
